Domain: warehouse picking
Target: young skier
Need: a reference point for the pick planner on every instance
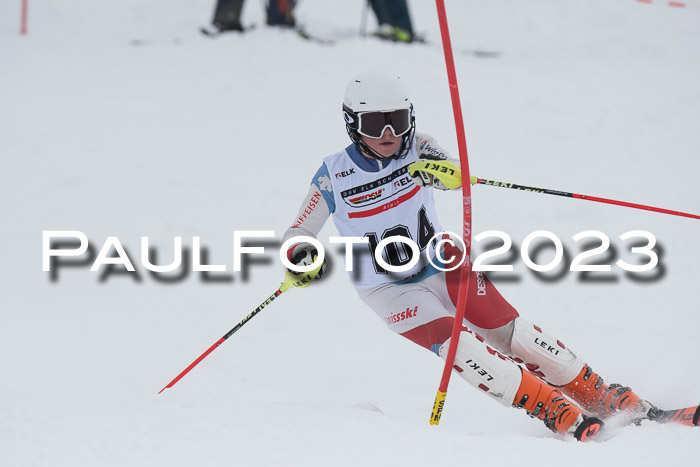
(379, 187)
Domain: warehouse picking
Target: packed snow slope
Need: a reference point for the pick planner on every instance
(118, 119)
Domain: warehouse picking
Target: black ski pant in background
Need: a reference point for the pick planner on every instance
(227, 15)
(393, 12)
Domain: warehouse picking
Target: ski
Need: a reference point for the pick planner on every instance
(215, 32)
(147, 42)
(209, 32)
(690, 416)
(415, 39)
(478, 53)
(304, 34)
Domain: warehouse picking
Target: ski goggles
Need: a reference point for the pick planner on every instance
(373, 124)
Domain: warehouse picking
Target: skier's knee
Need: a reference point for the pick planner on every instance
(544, 354)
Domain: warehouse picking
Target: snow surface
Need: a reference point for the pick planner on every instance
(120, 119)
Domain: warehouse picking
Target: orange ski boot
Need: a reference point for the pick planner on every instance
(603, 401)
(547, 403)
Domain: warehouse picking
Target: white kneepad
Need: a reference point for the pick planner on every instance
(485, 368)
(543, 354)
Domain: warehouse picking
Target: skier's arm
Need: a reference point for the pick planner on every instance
(313, 213)
(435, 167)
(428, 148)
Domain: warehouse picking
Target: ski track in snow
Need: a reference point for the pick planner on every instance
(184, 135)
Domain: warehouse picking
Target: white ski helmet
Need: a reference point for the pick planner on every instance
(373, 102)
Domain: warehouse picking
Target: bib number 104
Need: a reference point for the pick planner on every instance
(396, 253)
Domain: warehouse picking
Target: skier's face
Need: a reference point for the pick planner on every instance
(385, 146)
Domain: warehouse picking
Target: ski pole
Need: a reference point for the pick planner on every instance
(363, 19)
(547, 191)
(291, 280)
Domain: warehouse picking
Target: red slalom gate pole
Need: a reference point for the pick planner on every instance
(466, 267)
(23, 27)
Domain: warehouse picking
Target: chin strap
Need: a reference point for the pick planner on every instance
(366, 151)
